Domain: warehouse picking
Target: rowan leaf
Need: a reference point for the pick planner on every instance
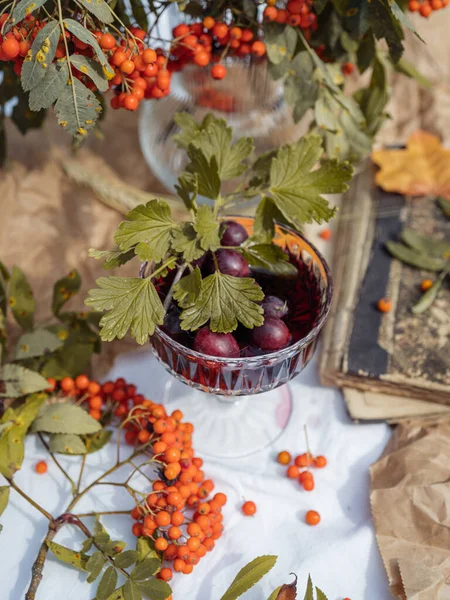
(430, 295)
(186, 242)
(131, 591)
(320, 595)
(155, 589)
(415, 259)
(206, 171)
(94, 565)
(96, 441)
(269, 257)
(67, 443)
(126, 559)
(248, 576)
(40, 55)
(145, 547)
(50, 87)
(150, 225)
(280, 42)
(37, 343)
(23, 9)
(64, 289)
(207, 226)
(139, 13)
(99, 8)
(117, 595)
(90, 67)
(68, 556)
(77, 108)
(309, 594)
(188, 289)
(274, 594)
(224, 300)
(20, 381)
(107, 584)
(113, 258)
(132, 303)
(21, 299)
(65, 418)
(87, 37)
(296, 188)
(4, 497)
(145, 569)
(425, 244)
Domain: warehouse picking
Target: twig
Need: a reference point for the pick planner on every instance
(80, 476)
(38, 565)
(101, 514)
(58, 464)
(176, 279)
(30, 500)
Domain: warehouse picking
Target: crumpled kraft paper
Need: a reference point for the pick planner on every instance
(410, 498)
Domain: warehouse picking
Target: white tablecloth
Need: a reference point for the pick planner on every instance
(341, 553)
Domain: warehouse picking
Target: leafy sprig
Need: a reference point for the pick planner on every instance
(291, 181)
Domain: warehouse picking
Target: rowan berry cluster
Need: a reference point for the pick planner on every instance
(426, 7)
(15, 44)
(297, 13)
(300, 467)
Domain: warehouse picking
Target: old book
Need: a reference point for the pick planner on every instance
(399, 353)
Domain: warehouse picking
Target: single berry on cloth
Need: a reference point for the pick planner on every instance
(234, 234)
(216, 344)
(272, 335)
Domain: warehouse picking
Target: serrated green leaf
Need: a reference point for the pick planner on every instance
(96, 441)
(145, 547)
(186, 242)
(248, 576)
(90, 67)
(64, 289)
(274, 594)
(224, 300)
(444, 205)
(126, 559)
(296, 189)
(366, 52)
(77, 108)
(65, 418)
(187, 189)
(94, 565)
(269, 257)
(415, 259)
(189, 129)
(37, 343)
(21, 299)
(386, 26)
(425, 244)
(206, 172)
(68, 556)
(320, 595)
(309, 594)
(187, 290)
(50, 87)
(40, 56)
(155, 589)
(280, 42)
(150, 224)
(131, 591)
(207, 226)
(99, 8)
(131, 303)
(113, 258)
(67, 443)
(4, 497)
(430, 295)
(145, 569)
(87, 37)
(69, 361)
(263, 226)
(107, 584)
(20, 381)
(23, 9)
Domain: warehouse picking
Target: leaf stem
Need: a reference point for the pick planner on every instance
(176, 279)
(58, 464)
(101, 514)
(30, 500)
(80, 476)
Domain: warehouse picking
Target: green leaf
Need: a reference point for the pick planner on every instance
(40, 56)
(145, 569)
(155, 589)
(206, 172)
(189, 127)
(444, 205)
(96, 441)
(67, 443)
(366, 52)
(207, 226)
(68, 556)
(87, 545)
(131, 591)
(374, 98)
(21, 299)
(126, 559)
(117, 595)
(4, 497)
(223, 301)
(91, 68)
(150, 224)
(415, 259)
(113, 258)
(87, 37)
(139, 13)
(64, 289)
(320, 595)
(263, 226)
(69, 361)
(65, 418)
(402, 17)
(296, 189)
(269, 257)
(95, 565)
(186, 242)
(107, 584)
(50, 87)
(36, 343)
(430, 295)
(406, 68)
(132, 303)
(188, 289)
(274, 594)
(23, 9)
(280, 42)
(187, 189)
(386, 26)
(248, 576)
(425, 244)
(309, 594)
(77, 108)
(20, 381)
(145, 547)
(99, 8)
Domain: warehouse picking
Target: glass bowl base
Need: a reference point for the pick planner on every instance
(227, 426)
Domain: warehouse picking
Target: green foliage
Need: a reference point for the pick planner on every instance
(248, 576)
(65, 418)
(67, 443)
(430, 295)
(21, 299)
(4, 497)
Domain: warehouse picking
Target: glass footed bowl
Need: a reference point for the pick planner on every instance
(229, 422)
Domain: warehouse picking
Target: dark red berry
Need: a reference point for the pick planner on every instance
(233, 234)
(216, 344)
(232, 263)
(274, 307)
(272, 335)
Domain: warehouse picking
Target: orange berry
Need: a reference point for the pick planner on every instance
(10, 47)
(131, 102)
(177, 518)
(118, 58)
(41, 467)
(247, 35)
(270, 13)
(209, 544)
(162, 519)
(95, 414)
(127, 67)
(294, 20)
(187, 569)
(384, 305)
(202, 58)
(174, 533)
(425, 9)
(107, 41)
(304, 460)
(304, 475)
(258, 48)
(143, 436)
(294, 7)
(284, 457)
(320, 462)
(165, 574)
(281, 16)
(413, 5)
(308, 484)
(150, 523)
(218, 71)
(220, 30)
(67, 384)
(220, 498)
(149, 56)
(178, 565)
(179, 30)
(325, 234)
(204, 508)
(426, 284)
(194, 529)
(293, 472)
(436, 4)
(161, 544)
(51, 384)
(95, 402)
(172, 455)
(193, 544)
(312, 517)
(208, 23)
(174, 498)
(137, 529)
(93, 388)
(159, 447)
(248, 508)
(24, 46)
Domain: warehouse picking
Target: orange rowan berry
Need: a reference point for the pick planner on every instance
(270, 13)
(162, 519)
(172, 471)
(127, 66)
(41, 467)
(95, 414)
(304, 460)
(304, 475)
(284, 457)
(294, 7)
(425, 9)
(177, 518)
(95, 402)
(178, 565)
(312, 517)
(93, 388)
(249, 508)
(51, 384)
(171, 552)
(281, 16)
(181, 29)
(143, 436)
(384, 305)
(258, 48)
(218, 71)
(136, 513)
(150, 523)
(137, 529)
(202, 58)
(413, 5)
(165, 574)
(426, 284)
(122, 409)
(183, 552)
(194, 529)
(161, 544)
(174, 533)
(320, 462)
(10, 47)
(220, 30)
(293, 472)
(220, 498)
(308, 484)
(325, 234)
(171, 455)
(107, 41)
(187, 569)
(204, 508)
(208, 23)
(108, 388)
(174, 498)
(118, 58)
(67, 384)
(193, 543)
(209, 544)
(201, 552)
